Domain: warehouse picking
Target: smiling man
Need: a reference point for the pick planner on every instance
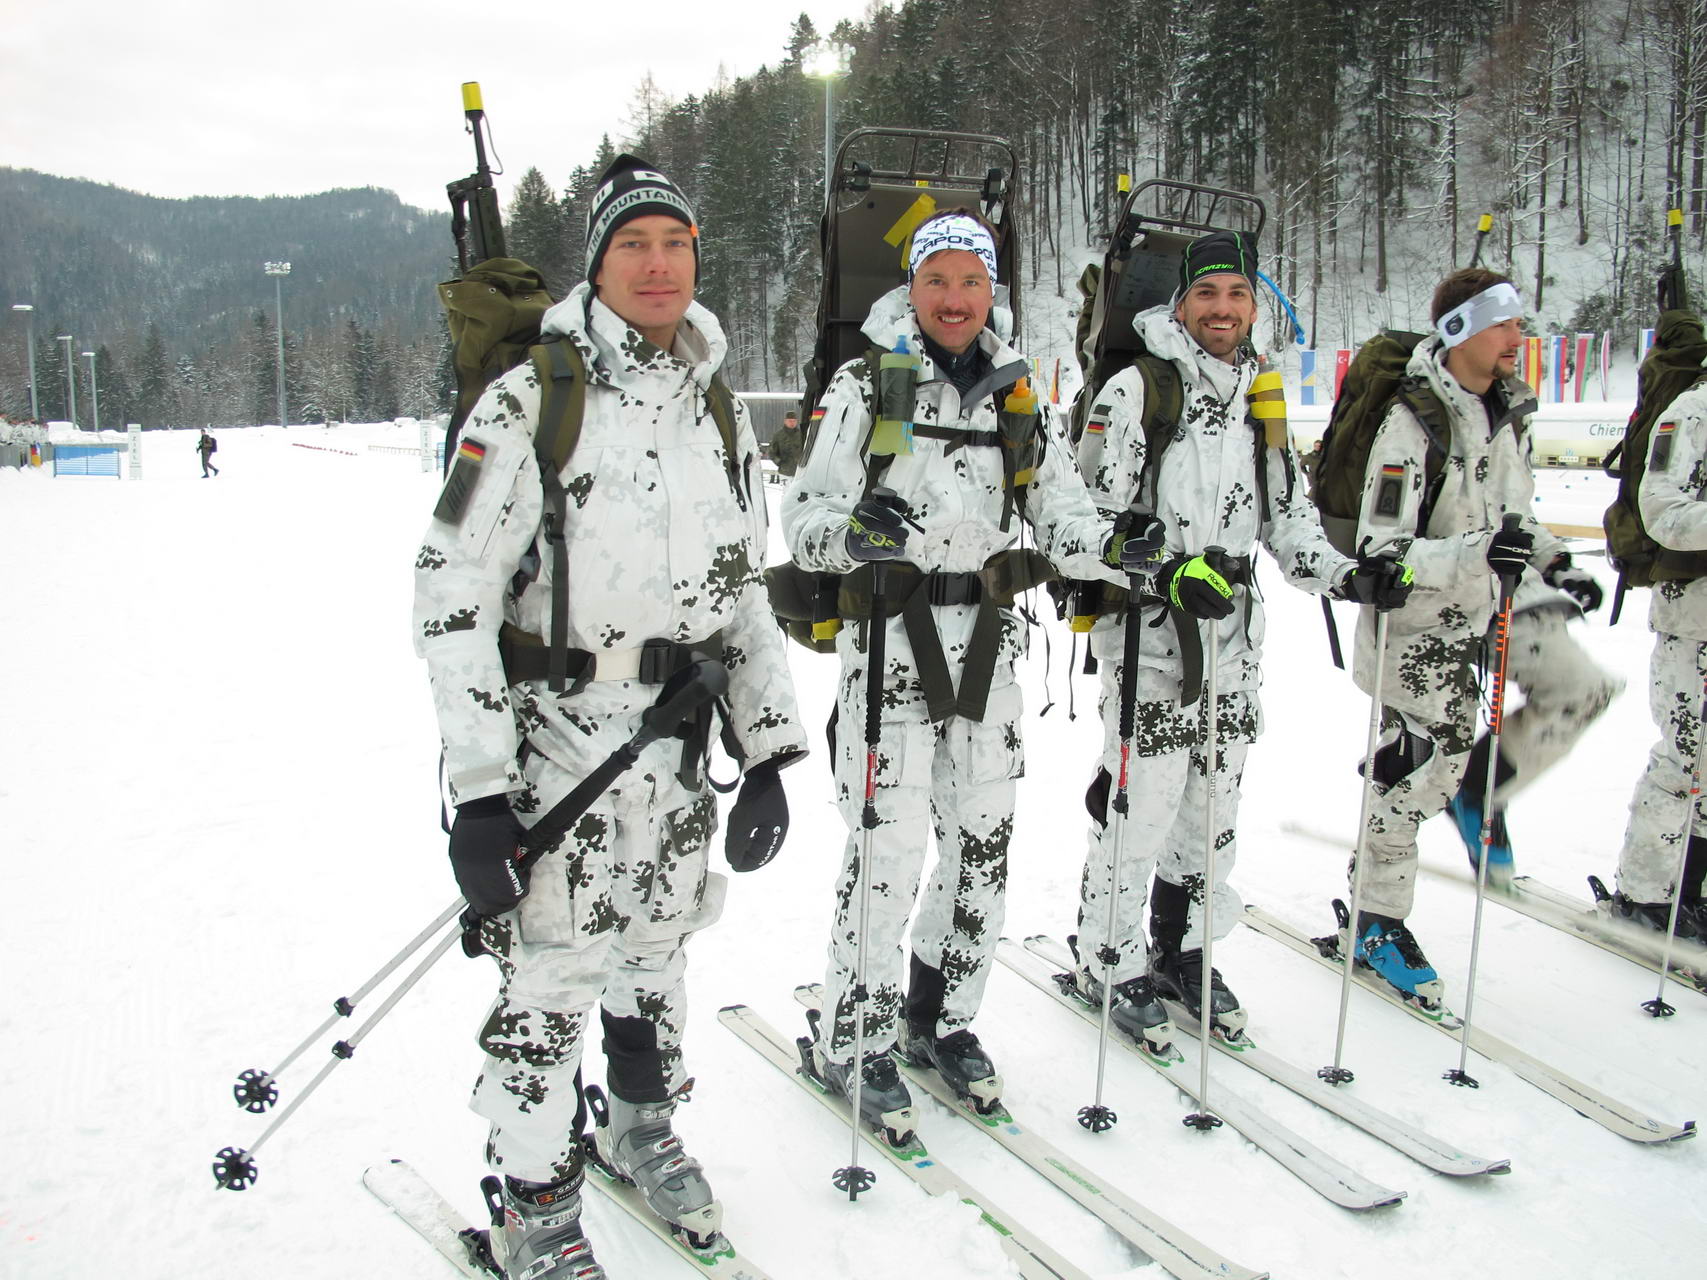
(1448, 529)
(1213, 482)
(969, 455)
(554, 605)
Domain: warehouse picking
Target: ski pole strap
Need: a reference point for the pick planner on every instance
(1333, 634)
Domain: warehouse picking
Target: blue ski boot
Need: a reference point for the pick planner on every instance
(1466, 813)
(1387, 946)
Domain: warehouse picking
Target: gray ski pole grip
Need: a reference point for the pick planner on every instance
(1511, 522)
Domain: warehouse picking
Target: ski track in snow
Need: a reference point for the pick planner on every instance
(218, 788)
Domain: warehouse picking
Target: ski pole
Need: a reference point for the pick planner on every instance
(856, 1178)
(1338, 1074)
(1496, 721)
(1098, 1117)
(257, 1090)
(1484, 224)
(234, 1167)
(697, 684)
(1203, 1120)
(1658, 1006)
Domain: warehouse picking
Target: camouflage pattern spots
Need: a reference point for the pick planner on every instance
(430, 558)
(1165, 832)
(1661, 816)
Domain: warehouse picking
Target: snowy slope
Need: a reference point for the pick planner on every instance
(217, 788)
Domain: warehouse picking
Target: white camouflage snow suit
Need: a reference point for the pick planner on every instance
(1675, 515)
(1206, 492)
(957, 773)
(665, 541)
(1429, 685)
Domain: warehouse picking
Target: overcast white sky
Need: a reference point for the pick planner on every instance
(198, 97)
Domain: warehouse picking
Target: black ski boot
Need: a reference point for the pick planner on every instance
(1178, 975)
(961, 1062)
(1136, 1008)
(536, 1228)
(885, 1104)
(1657, 916)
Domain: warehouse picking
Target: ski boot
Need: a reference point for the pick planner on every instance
(885, 1104)
(634, 1141)
(536, 1229)
(1136, 1008)
(1466, 815)
(1657, 915)
(1386, 946)
(1178, 975)
(961, 1062)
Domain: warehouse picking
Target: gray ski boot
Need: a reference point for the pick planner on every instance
(536, 1229)
(1136, 1008)
(885, 1104)
(635, 1142)
(1178, 975)
(961, 1062)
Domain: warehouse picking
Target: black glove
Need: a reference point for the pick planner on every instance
(876, 529)
(1135, 544)
(485, 848)
(1577, 583)
(1191, 584)
(1509, 552)
(1383, 581)
(758, 822)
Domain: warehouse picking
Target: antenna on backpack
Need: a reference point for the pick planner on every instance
(1484, 224)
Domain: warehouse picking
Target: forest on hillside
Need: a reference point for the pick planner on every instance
(1375, 134)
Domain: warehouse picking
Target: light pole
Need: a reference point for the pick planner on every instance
(70, 379)
(829, 62)
(30, 340)
(94, 389)
(278, 271)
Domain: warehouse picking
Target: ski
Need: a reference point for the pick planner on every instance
(1036, 1260)
(397, 1186)
(406, 1193)
(1154, 1237)
(1424, 1148)
(1334, 1181)
(1611, 1114)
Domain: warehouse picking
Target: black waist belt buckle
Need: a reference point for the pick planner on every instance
(954, 588)
(661, 659)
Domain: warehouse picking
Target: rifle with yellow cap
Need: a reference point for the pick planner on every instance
(475, 222)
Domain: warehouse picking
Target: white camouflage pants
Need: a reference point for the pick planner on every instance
(1166, 829)
(1563, 693)
(607, 913)
(1656, 838)
(955, 777)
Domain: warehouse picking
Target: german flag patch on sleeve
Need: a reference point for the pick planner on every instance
(1664, 434)
(460, 484)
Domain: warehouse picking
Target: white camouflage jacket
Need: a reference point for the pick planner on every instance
(663, 539)
(1206, 493)
(954, 490)
(1674, 511)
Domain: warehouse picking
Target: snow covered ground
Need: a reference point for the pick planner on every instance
(218, 799)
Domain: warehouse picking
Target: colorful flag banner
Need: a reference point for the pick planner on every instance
(1306, 379)
(1342, 366)
(1530, 370)
(1585, 345)
(1558, 357)
(1641, 355)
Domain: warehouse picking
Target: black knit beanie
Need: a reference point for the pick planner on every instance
(1216, 253)
(631, 188)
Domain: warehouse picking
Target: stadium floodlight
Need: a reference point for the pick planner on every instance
(70, 379)
(30, 342)
(829, 62)
(94, 390)
(278, 271)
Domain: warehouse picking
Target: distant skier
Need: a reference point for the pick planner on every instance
(206, 447)
(646, 555)
(1426, 763)
(1662, 813)
(1205, 492)
(950, 739)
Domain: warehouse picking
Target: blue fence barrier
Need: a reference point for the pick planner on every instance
(86, 460)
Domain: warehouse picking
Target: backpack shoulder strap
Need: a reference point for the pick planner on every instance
(1428, 410)
(1164, 406)
(562, 404)
(875, 464)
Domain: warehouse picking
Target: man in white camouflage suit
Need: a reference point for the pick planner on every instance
(1212, 487)
(1662, 814)
(662, 534)
(1425, 763)
(950, 748)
